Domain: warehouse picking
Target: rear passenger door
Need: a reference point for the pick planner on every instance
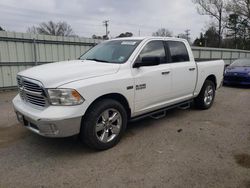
(183, 71)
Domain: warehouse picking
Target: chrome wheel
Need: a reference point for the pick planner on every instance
(208, 95)
(108, 125)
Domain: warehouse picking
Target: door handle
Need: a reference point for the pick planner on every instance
(165, 72)
(191, 69)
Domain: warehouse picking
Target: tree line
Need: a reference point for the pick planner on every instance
(229, 26)
(230, 23)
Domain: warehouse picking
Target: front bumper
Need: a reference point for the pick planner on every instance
(53, 121)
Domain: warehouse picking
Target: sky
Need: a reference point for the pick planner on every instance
(86, 16)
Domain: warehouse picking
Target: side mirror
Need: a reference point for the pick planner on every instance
(147, 61)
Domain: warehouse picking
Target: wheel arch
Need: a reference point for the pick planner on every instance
(115, 96)
(212, 78)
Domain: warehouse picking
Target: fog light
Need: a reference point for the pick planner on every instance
(19, 117)
(54, 129)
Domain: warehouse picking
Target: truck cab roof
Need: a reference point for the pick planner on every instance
(151, 38)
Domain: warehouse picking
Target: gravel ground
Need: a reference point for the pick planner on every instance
(187, 148)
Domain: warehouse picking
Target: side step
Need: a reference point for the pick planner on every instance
(159, 115)
(185, 106)
(162, 112)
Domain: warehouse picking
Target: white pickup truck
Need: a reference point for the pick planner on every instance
(115, 82)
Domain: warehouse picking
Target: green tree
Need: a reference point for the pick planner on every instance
(52, 28)
(200, 41)
(163, 32)
(240, 7)
(127, 34)
(233, 26)
(244, 33)
(96, 37)
(217, 10)
(211, 37)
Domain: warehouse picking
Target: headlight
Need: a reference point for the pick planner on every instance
(64, 97)
(225, 72)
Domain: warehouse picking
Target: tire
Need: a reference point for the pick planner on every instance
(103, 124)
(206, 96)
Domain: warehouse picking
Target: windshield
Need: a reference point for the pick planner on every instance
(241, 63)
(116, 51)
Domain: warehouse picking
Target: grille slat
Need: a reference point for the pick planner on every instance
(31, 86)
(36, 102)
(32, 92)
(35, 97)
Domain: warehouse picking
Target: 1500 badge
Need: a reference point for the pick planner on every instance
(141, 86)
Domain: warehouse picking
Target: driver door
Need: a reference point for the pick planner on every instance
(152, 83)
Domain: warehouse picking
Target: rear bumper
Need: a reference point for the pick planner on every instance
(54, 124)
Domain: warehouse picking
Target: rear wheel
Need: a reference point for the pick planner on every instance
(206, 96)
(104, 124)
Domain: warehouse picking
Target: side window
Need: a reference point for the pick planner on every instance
(153, 49)
(178, 51)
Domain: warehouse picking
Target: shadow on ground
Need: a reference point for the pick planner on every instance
(73, 145)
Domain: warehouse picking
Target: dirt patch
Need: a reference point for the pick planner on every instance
(11, 134)
(247, 184)
(243, 160)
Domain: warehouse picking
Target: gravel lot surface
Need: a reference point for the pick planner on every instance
(187, 148)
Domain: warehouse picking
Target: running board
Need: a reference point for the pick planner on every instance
(162, 112)
(185, 106)
(159, 115)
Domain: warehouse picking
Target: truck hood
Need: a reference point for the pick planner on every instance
(56, 74)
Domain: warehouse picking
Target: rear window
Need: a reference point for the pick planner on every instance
(178, 51)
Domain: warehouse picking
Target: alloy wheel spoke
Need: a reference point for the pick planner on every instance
(104, 136)
(105, 115)
(210, 92)
(114, 117)
(100, 127)
(208, 100)
(115, 129)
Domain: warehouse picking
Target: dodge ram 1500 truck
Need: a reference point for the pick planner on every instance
(116, 81)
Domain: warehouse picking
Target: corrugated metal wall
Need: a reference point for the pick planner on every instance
(19, 51)
(228, 55)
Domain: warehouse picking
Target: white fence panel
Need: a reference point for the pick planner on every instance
(19, 51)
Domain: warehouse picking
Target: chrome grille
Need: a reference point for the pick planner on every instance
(32, 91)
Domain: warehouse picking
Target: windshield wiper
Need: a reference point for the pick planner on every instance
(98, 60)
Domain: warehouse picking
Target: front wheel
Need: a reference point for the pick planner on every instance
(206, 96)
(104, 124)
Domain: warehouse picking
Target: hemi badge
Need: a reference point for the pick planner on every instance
(130, 87)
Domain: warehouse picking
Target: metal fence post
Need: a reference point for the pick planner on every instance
(231, 57)
(34, 48)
